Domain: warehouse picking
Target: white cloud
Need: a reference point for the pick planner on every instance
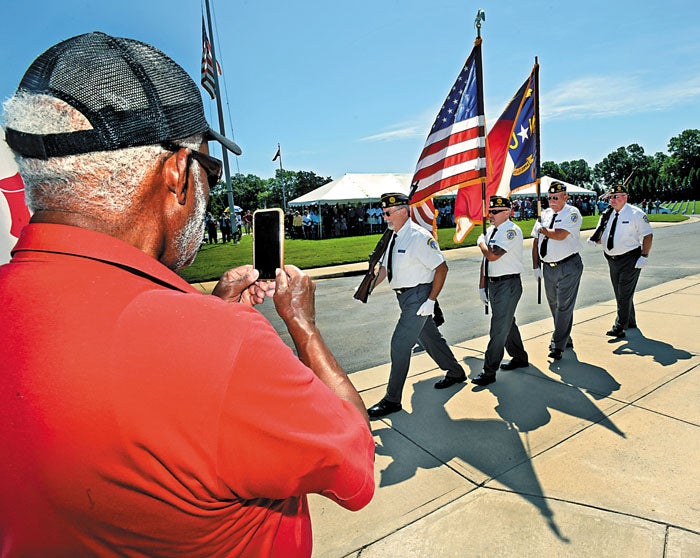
(398, 133)
(602, 96)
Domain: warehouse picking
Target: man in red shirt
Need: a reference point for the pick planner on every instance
(126, 430)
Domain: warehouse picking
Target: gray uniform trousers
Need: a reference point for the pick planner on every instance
(409, 329)
(561, 284)
(504, 333)
(624, 277)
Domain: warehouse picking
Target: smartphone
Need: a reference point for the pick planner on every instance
(268, 241)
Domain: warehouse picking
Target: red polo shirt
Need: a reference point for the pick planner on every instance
(140, 417)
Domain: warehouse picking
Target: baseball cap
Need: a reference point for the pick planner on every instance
(131, 93)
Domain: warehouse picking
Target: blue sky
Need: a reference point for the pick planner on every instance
(355, 86)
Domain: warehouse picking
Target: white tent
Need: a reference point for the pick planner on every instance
(545, 182)
(356, 188)
(368, 188)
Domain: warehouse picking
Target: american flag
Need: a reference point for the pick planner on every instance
(208, 65)
(455, 151)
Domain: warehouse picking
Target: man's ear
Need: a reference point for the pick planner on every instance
(175, 173)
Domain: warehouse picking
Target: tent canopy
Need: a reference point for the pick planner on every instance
(368, 188)
(545, 182)
(356, 188)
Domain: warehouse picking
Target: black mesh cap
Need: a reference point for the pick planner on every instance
(129, 91)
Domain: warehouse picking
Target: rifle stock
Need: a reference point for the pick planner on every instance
(370, 278)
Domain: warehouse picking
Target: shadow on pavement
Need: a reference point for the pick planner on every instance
(489, 446)
(636, 344)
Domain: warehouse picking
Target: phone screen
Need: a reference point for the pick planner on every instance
(268, 237)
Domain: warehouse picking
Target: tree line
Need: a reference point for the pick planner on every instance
(675, 176)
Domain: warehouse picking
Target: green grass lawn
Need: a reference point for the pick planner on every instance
(213, 259)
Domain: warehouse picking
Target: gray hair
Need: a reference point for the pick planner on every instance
(103, 181)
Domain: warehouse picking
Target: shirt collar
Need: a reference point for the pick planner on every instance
(85, 243)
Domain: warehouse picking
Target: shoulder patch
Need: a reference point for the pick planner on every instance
(433, 244)
(646, 219)
(510, 234)
(574, 217)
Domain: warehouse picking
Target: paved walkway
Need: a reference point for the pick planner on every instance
(594, 455)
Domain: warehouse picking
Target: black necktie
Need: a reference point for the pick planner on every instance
(389, 270)
(543, 244)
(611, 241)
(486, 261)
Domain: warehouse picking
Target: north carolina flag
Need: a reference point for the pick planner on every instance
(13, 210)
(511, 147)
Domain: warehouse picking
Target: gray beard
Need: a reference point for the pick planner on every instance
(189, 239)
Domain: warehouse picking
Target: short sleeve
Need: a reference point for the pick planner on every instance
(284, 433)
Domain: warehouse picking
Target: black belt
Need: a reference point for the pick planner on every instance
(566, 259)
(636, 253)
(503, 277)
(406, 289)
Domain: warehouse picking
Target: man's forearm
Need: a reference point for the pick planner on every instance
(314, 352)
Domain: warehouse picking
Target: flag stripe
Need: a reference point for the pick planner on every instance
(208, 78)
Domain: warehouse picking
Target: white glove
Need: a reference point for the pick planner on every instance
(481, 239)
(537, 273)
(426, 309)
(592, 243)
(641, 262)
(536, 228)
(483, 297)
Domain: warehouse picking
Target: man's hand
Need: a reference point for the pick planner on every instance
(294, 296)
(592, 243)
(241, 285)
(536, 228)
(537, 273)
(483, 297)
(481, 239)
(641, 262)
(427, 308)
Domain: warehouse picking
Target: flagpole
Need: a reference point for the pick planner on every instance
(481, 16)
(536, 70)
(222, 128)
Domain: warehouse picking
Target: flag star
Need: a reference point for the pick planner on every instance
(523, 133)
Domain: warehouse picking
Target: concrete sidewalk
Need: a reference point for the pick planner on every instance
(593, 455)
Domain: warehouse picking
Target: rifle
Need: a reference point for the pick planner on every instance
(370, 278)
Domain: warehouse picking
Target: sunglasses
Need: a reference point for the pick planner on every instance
(494, 211)
(211, 165)
(555, 198)
(617, 196)
(390, 213)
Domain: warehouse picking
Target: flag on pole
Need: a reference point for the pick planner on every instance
(13, 209)
(278, 154)
(511, 146)
(454, 152)
(208, 65)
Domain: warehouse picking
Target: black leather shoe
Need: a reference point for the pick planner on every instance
(555, 354)
(484, 379)
(514, 363)
(569, 344)
(448, 381)
(383, 408)
(615, 332)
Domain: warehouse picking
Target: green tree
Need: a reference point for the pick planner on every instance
(552, 169)
(685, 151)
(577, 172)
(249, 191)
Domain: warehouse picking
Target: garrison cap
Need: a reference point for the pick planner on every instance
(557, 187)
(394, 199)
(499, 202)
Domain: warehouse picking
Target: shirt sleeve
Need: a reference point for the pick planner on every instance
(641, 222)
(284, 433)
(571, 222)
(428, 251)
